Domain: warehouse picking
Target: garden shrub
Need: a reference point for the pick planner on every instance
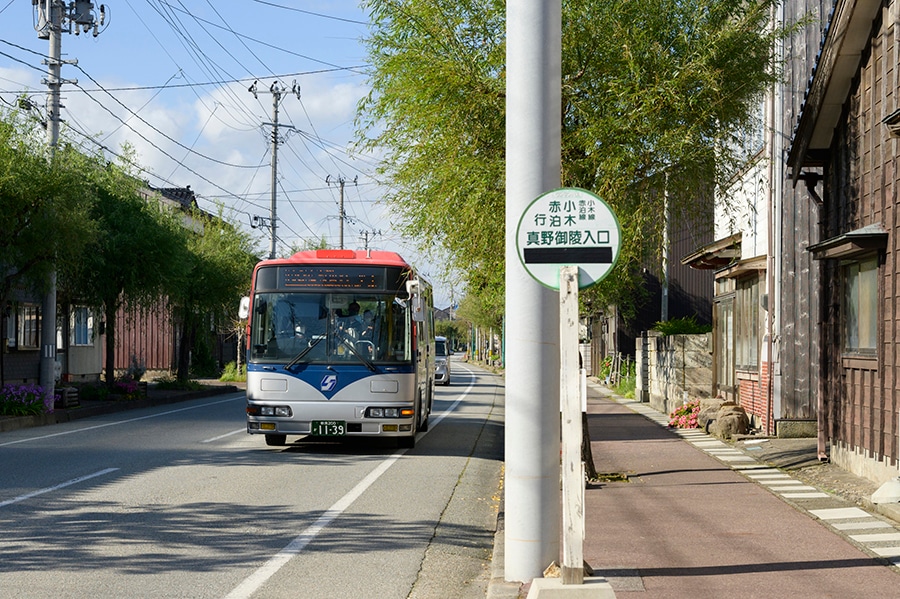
(24, 400)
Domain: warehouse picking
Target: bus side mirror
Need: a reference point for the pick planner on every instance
(244, 308)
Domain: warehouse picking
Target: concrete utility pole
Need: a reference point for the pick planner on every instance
(340, 181)
(533, 139)
(54, 17)
(366, 237)
(277, 90)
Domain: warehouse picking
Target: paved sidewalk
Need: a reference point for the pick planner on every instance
(682, 514)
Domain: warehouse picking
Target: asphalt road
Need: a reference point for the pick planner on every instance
(178, 501)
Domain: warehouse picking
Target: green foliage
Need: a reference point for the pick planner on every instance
(655, 96)
(484, 309)
(682, 326)
(437, 110)
(232, 374)
(218, 266)
(24, 400)
(308, 244)
(627, 384)
(173, 384)
(456, 331)
(203, 364)
(44, 205)
(93, 392)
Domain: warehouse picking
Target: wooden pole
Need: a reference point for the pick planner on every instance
(572, 570)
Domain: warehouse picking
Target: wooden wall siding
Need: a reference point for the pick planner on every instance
(690, 290)
(862, 185)
(797, 322)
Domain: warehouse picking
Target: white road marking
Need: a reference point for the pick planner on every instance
(118, 422)
(253, 582)
(240, 430)
(68, 483)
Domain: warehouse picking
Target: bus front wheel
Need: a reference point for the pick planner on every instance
(276, 440)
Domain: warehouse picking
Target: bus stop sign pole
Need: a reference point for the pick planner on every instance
(572, 569)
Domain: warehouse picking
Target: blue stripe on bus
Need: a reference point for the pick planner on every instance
(330, 381)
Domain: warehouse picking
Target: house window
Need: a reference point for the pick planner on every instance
(860, 315)
(82, 325)
(29, 317)
(747, 324)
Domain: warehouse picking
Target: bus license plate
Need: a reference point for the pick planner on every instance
(328, 428)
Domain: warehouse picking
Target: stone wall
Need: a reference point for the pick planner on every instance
(673, 369)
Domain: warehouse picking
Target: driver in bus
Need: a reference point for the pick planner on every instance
(352, 324)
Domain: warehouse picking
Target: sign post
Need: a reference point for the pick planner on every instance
(568, 239)
(572, 568)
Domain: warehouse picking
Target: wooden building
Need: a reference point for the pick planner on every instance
(844, 152)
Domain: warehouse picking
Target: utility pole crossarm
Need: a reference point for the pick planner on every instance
(277, 90)
(342, 216)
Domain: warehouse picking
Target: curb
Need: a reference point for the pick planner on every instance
(110, 407)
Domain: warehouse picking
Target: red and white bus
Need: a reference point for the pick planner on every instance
(340, 344)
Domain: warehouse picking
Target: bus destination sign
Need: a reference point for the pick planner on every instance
(331, 277)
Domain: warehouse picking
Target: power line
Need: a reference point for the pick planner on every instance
(170, 138)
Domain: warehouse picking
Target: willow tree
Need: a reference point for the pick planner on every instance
(44, 205)
(138, 255)
(436, 112)
(654, 95)
(44, 209)
(218, 268)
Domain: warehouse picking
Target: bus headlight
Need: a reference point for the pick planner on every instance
(280, 411)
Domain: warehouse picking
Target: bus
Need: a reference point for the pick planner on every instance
(340, 344)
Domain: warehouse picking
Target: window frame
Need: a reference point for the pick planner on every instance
(747, 323)
(81, 331)
(860, 288)
(28, 326)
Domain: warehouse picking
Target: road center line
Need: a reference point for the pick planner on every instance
(253, 582)
(68, 483)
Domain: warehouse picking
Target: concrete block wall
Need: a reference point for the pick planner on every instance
(673, 369)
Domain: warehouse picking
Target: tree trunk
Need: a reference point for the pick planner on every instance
(110, 311)
(185, 347)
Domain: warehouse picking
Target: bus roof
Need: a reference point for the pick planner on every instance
(349, 257)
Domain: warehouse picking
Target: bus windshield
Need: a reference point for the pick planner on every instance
(325, 328)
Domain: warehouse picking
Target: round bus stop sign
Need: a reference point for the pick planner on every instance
(568, 227)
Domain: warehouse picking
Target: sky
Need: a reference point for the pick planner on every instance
(172, 80)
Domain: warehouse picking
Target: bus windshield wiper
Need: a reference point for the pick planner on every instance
(303, 353)
(361, 357)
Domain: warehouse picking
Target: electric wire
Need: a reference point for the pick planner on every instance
(165, 135)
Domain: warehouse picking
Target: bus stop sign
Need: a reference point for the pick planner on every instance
(568, 227)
